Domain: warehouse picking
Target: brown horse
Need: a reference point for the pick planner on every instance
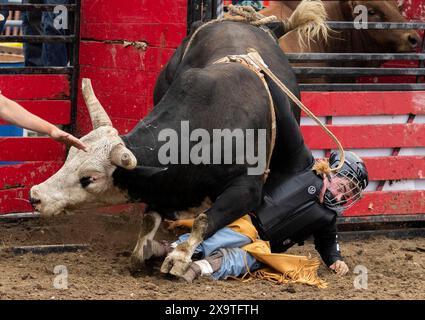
(354, 41)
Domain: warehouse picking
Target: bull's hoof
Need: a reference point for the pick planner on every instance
(136, 265)
(142, 252)
(180, 268)
(176, 265)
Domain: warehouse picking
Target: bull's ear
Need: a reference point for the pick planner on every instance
(148, 172)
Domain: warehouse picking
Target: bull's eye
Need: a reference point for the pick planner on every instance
(85, 181)
(371, 12)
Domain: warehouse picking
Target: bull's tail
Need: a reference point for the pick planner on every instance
(309, 20)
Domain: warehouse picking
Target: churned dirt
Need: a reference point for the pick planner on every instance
(396, 268)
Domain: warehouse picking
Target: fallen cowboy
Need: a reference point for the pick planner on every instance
(293, 208)
(196, 87)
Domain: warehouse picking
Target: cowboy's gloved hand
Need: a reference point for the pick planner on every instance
(339, 267)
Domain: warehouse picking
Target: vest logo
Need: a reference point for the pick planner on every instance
(311, 190)
(286, 242)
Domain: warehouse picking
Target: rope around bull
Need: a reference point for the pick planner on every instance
(320, 166)
(245, 14)
(253, 60)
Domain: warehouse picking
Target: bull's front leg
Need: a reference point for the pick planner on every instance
(241, 197)
(178, 261)
(150, 224)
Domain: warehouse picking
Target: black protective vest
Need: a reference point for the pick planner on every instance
(291, 212)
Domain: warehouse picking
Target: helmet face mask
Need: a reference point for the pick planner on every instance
(347, 185)
(344, 191)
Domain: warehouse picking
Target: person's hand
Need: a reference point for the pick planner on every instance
(67, 138)
(339, 267)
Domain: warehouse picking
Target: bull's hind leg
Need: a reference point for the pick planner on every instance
(240, 198)
(142, 251)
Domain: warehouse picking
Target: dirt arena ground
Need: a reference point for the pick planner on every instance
(396, 268)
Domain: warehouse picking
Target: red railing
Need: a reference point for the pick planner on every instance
(124, 77)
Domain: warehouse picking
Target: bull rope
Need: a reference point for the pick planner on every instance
(243, 60)
(254, 62)
(255, 56)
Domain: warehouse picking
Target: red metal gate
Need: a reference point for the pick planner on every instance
(46, 92)
(124, 76)
(47, 96)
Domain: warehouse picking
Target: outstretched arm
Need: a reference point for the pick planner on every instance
(15, 114)
(327, 245)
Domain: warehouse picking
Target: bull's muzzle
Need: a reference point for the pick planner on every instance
(34, 202)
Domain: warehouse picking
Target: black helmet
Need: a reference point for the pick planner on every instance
(353, 172)
(353, 165)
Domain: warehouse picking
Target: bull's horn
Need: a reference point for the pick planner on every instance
(309, 19)
(123, 157)
(98, 115)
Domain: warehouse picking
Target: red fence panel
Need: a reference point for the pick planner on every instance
(32, 87)
(123, 78)
(48, 97)
(54, 111)
(375, 136)
(127, 75)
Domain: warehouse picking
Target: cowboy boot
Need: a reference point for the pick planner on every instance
(206, 266)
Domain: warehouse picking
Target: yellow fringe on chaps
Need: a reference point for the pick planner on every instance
(281, 268)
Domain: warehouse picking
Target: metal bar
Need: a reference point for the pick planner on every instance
(76, 71)
(354, 56)
(362, 87)
(194, 12)
(381, 218)
(17, 216)
(421, 62)
(37, 39)
(391, 233)
(354, 72)
(37, 70)
(35, 7)
(44, 249)
(214, 4)
(377, 25)
(208, 10)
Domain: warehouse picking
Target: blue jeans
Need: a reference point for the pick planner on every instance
(235, 261)
(5, 13)
(42, 23)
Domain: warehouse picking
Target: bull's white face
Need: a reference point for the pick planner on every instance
(85, 180)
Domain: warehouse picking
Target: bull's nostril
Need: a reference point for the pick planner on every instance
(34, 201)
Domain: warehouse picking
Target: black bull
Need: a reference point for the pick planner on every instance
(191, 87)
(210, 96)
(214, 96)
